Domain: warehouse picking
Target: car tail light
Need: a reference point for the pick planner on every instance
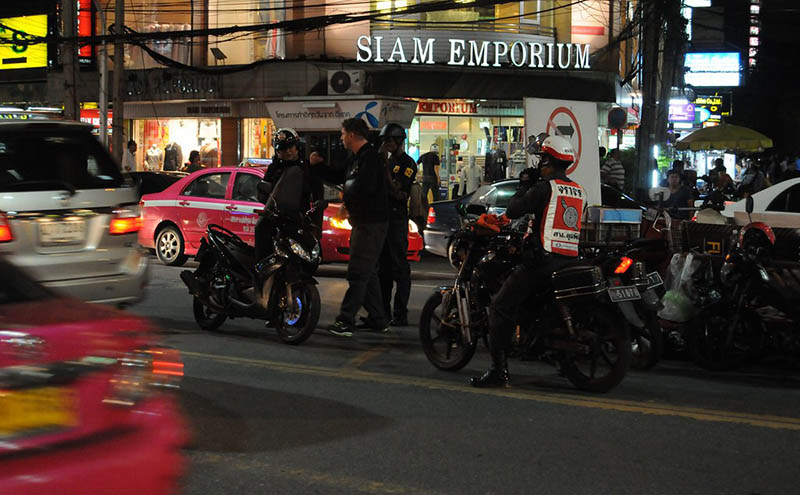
(431, 216)
(340, 223)
(5, 229)
(624, 264)
(126, 221)
(143, 371)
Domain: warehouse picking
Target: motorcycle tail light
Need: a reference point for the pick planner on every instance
(5, 229)
(431, 216)
(125, 221)
(624, 264)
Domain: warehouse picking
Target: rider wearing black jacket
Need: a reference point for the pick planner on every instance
(302, 185)
(557, 205)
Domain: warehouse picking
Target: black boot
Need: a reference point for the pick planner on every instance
(496, 375)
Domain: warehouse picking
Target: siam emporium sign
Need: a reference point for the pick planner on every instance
(473, 53)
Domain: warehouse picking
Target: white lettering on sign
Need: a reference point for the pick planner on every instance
(477, 53)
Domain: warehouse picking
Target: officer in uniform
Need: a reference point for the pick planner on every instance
(393, 264)
(557, 204)
(286, 143)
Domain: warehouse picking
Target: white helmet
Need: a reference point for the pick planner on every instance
(557, 147)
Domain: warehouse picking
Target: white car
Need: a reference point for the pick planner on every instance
(778, 205)
(67, 215)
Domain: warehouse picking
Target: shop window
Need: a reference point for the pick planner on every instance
(243, 48)
(211, 186)
(245, 187)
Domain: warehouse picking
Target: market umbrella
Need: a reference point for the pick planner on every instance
(724, 137)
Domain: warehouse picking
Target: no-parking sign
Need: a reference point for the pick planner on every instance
(575, 121)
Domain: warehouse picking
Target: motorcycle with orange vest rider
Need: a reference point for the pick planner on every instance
(556, 204)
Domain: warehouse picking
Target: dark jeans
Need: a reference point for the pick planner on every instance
(429, 184)
(518, 287)
(393, 267)
(366, 244)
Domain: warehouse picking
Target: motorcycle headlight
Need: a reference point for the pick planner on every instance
(299, 250)
(315, 253)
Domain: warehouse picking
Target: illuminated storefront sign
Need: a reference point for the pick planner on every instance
(15, 51)
(473, 53)
(717, 106)
(712, 69)
(449, 107)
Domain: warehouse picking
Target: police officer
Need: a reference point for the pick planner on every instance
(287, 157)
(557, 204)
(366, 204)
(393, 265)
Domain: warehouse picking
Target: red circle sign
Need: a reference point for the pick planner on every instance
(566, 131)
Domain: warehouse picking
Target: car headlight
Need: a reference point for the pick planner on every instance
(340, 223)
(299, 250)
(412, 227)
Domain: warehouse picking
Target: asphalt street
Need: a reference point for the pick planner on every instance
(369, 414)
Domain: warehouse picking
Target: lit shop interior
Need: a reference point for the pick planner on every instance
(161, 139)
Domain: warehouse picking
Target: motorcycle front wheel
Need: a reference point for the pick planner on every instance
(299, 319)
(441, 336)
(609, 357)
(206, 318)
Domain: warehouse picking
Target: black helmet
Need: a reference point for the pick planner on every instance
(394, 131)
(285, 138)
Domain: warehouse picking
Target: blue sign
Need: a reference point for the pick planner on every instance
(713, 69)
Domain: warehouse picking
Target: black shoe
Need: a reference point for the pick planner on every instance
(493, 377)
(399, 322)
(371, 325)
(341, 329)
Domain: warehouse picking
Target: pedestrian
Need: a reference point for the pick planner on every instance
(601, 152)
(193, 165)
(393, 265)
(753, 179)
(431, 165)
(680, 196)
(613, 173)
(129, 157)
(470, 177)
(366, 203)
(457, 183)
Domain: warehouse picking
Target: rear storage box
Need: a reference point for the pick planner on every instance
(578, 281)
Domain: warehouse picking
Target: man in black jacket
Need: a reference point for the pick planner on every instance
(366, 204)
(393, 266)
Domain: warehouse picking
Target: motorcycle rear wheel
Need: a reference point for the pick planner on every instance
(295, 329)
(601, 330)
(206, 318)
(441, 337)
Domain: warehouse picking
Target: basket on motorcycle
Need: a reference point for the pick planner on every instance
(578, 281)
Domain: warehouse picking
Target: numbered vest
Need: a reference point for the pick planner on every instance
(561, 225)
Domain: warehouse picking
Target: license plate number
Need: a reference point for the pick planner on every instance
(654, 280)
(35, 410)
(60, 233)
(621, 294)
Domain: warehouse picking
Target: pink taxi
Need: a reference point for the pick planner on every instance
(175, 220)
(81, 407)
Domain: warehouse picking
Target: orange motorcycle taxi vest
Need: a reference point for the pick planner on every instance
(561, 225)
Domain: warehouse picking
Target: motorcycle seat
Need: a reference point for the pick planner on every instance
(578, 267)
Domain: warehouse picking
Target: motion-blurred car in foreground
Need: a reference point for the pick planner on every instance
(175, 220)
(67, 215)
(83, 402)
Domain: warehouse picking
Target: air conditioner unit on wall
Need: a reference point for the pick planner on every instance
(346, 82)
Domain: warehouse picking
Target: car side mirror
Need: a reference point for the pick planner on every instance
(749, 205)
(475, 209)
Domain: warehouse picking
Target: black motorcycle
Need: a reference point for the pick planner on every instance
(571, 324)
(280, 289)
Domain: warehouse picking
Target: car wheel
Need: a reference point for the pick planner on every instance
(169, 247)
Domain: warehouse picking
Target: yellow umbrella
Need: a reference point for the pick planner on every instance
(724, 137)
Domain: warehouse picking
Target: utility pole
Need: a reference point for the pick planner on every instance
(102, 57)
(651, 25)
(69, 60)
(118, 145)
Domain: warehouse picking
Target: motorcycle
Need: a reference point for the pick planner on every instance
(751, 283)
(571, 324)
(280, 289)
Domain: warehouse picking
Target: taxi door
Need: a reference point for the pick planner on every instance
(242, 206)
(201, 203)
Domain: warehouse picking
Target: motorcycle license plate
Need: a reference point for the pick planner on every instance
(654, 280)
(622, 294)
(36, 409)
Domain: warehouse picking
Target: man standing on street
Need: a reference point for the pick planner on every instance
(393, 266)
(365, 197)
(430, 173)
(129, 158)
(613, 173)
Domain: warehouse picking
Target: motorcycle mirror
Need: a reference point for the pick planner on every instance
(659, 194)
(749, 205)
(475, 209)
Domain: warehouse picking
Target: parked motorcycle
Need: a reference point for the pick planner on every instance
(571, 324)
(750, 283)
(280, 289)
